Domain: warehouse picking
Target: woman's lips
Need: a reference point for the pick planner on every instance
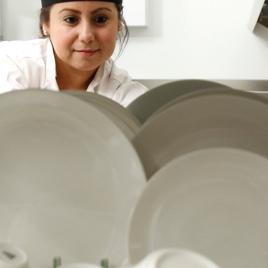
(87, 51)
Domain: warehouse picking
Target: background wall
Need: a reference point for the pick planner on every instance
(198, 39)
(204, 39)
(20, 19)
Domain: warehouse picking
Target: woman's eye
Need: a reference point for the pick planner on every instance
(100, 19)
(71, 20)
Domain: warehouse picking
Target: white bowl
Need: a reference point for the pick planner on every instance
(12, 257)
(175, 258)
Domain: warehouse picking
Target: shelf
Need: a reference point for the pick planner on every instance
(263, 18)
(255, 14)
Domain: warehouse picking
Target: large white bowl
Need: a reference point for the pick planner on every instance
(212, 201)
(68, 179)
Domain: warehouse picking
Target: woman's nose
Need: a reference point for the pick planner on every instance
(86, 33)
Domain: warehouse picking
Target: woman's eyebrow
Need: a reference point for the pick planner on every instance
(101, 9)
(70, 10)
(79, 12)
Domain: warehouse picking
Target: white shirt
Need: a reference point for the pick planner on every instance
(31, 64)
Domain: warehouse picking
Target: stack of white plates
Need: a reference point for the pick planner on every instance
(207, 159)
(69, 178)
(150, 102)
(73, 183)
(122, 117)
(212, 118)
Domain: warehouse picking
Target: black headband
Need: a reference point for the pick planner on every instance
(46, 3)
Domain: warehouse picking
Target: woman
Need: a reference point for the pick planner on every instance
(75, 53)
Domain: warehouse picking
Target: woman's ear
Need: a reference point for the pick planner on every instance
(45, 30)
(120, 26)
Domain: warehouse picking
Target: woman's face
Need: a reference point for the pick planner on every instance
(83, 33)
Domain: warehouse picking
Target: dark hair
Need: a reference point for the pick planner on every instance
(123, 34)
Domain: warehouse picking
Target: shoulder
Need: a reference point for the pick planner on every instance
(127, 89)
(23, 63)
(24, 49)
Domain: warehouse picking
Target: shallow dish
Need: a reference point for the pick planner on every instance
(123, 118)
(221, 118)
(147, 104)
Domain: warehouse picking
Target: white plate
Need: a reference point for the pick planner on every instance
(147, 104)
(122, 117)
(212, 201)
(200, 120)
(184, 95)
(68, 179)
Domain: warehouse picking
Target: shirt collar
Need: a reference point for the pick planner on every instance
(102, 74)
(50, 67)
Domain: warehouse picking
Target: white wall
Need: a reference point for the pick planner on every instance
(20, 19)
(205, 39)
(198, 39)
